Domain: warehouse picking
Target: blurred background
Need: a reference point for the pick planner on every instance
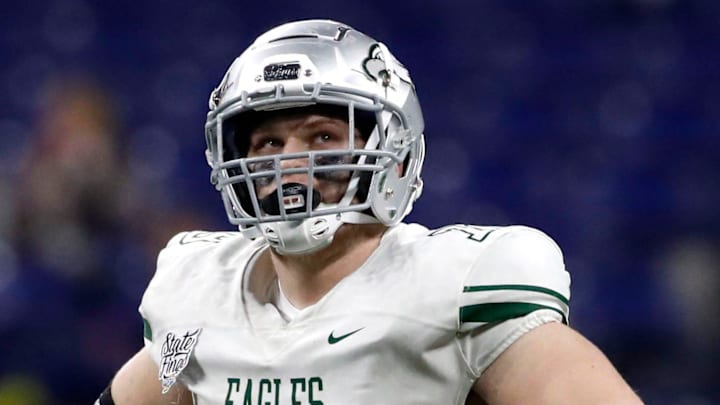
(597, 121)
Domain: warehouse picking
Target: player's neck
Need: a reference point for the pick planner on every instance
(306, 279)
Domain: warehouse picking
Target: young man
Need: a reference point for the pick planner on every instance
(315, 140)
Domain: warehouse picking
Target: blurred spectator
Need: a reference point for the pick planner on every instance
(84, 244)
(690, 270)
(73, 182)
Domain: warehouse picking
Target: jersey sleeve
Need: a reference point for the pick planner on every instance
(150, 302)
(517, 283)
(185, 277)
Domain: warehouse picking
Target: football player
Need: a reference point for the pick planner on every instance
(324, 296)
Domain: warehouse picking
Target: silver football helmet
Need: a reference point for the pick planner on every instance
(316, 64)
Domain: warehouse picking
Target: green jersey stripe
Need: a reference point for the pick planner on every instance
(147, 330)
(519, 287)
(495, 312)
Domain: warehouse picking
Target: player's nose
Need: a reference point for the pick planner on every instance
(294, 145)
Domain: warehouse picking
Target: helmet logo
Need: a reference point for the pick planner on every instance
(375, 66)
(281, 71)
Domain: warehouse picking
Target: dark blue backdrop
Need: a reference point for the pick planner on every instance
(596, 121)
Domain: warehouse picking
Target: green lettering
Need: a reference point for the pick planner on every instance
(304, 391)
(317, 381)
(231, 382)
(295, 382)
(248, 393)
(277, 391)
(266, 383)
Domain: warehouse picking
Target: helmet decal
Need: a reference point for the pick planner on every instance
(281, 71)
(375, 67)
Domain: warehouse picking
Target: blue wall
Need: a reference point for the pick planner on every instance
(596, 121)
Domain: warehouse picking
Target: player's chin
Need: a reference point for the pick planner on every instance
(332, 193)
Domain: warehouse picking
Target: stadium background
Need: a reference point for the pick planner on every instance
(595, 120)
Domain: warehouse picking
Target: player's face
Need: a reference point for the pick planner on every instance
(302, 133)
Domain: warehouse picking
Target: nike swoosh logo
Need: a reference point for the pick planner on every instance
(334, 339)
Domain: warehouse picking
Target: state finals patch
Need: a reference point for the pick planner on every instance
(175, 356)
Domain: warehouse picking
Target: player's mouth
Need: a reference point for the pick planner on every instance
(293, 198)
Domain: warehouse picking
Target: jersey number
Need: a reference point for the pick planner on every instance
(474, 233)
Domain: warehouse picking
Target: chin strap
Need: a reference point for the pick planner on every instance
(297, 237)
(310, 234)
(358, 218)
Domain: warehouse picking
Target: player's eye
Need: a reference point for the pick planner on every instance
(330, 139)
(259, 144)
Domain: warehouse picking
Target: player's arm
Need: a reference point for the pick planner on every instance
(137, 384)
(553, 364)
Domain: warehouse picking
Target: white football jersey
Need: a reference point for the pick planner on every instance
(417, 323)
